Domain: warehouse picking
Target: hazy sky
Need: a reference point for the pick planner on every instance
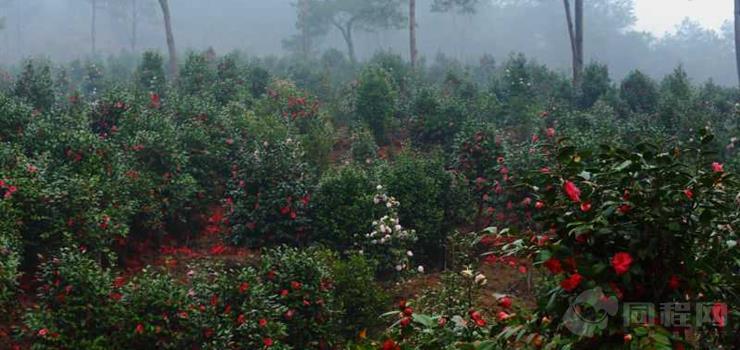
(659, 16)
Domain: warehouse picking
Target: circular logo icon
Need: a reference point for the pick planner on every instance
(589, 312)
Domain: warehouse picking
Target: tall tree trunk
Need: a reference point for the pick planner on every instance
(737, 37)
(170, 37)
(305, 36)
(350, 45)
(578, 62)
(412, 32)
(93, 25)
(575, 33)
(134, 24)
(346, 31)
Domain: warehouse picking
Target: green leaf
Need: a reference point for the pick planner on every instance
(624, 165)
(424, 320)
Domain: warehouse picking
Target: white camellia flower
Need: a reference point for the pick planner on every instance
(410, 253)
(420, 269)
(467, 273)
(388, 205)
(397, 227)
(399, 267)
(480, 279)
(376, 200)
(380, 187)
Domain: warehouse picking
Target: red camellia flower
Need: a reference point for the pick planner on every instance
(43, 332)
(572, 191)
(155, 101)
(241, 319)
(539, 205)
(554, 265)
(390, 345)
(621, 262)
(243, 287)
(586, 206)
(624, 209)
(407, 311)
(550, 132)
(719, 314)
(285, 210)
(505, 302)
(674, 282)
(689, 193)
(502, 316)
(139, 329)
(119, 281)
(296, 285)
(289, 315)
(218, 249)
(262, 322)
(571, 283)
(405, 322)
(718, 167)
(267, 342)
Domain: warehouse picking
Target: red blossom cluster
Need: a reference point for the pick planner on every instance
(7, 190)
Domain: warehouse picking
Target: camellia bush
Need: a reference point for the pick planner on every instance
(349, 191)
(302, 282)
(388, 242)
(652, 224)
(270, 194)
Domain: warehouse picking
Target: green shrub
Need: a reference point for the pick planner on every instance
(433, 201)
(14, 122)
(639, 92)
(237, 310)
(154, 311)
(376, 102)
(387, 242)
(359, 296)
(35, 85)
(342, 206)
(230, 84)
(303, 282)
(74, 309)
(596, 84)
(364, 150)
(627, 221)
(437, 118)
(150, 76)
(270, 192)
(197, 76)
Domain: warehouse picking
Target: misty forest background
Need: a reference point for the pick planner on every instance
(264, 28)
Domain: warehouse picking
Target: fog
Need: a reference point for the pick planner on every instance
(61, 31)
